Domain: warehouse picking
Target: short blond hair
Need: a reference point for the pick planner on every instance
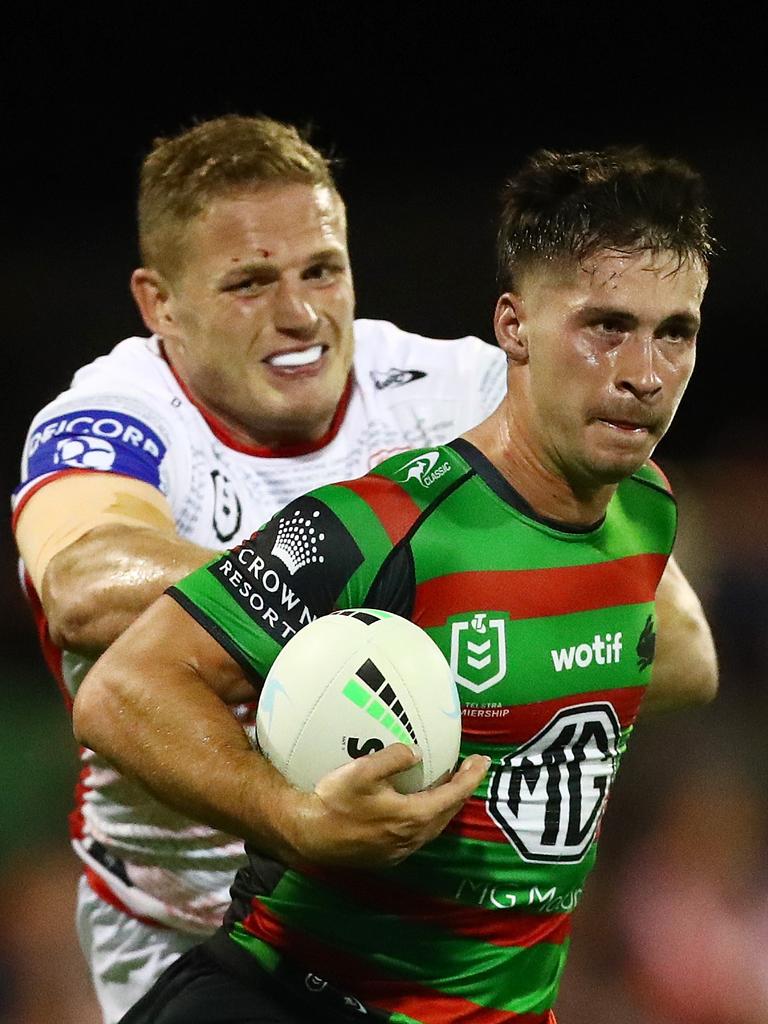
(182, 174)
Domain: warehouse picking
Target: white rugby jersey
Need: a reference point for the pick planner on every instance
(128, 413)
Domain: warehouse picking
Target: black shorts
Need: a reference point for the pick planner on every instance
(198, 989)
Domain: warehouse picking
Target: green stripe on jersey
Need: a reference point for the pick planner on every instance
(449, 963)
(494, 875)
(497, 537)
(230, 622)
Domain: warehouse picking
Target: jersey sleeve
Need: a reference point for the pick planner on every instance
(101, 433)
(304, 563)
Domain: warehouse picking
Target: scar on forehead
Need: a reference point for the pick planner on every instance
(264, 253)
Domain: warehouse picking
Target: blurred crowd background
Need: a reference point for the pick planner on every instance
(428, 118)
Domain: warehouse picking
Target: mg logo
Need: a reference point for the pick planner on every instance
(548, 797)
(479, 651)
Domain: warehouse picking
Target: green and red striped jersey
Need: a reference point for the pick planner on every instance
(550, 634)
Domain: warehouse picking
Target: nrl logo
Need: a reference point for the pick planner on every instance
(479, 651)
(423, 469)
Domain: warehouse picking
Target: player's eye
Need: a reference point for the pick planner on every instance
(246, 285)
(611, 325)
(326, 271)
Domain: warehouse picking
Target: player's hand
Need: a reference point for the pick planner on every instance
(356, 816)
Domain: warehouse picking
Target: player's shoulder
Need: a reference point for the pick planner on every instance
(398, 491)
(650, 475)
(122, 402)
(133, 380)
(132, 361)
(390, 357)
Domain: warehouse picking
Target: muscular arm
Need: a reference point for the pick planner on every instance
(155, 705)
(685, 667)
(100, 548)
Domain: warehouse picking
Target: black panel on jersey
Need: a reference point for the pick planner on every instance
(394, 588)
(293, 570)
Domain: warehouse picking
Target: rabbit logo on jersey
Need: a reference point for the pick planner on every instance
(100, 439)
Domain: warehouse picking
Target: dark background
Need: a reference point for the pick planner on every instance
(429, 110)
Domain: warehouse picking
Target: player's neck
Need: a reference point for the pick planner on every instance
(545, 490)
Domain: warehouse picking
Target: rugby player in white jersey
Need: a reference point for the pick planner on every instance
(255, 386)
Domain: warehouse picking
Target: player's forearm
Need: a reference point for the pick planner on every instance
(158, 722)
(156, 706)
(685, 669)
(97, 586)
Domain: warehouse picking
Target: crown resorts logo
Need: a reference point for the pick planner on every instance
(297, 542)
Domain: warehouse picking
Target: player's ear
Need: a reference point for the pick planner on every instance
(153, 297)
(509, 326)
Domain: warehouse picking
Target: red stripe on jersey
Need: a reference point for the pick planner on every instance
(473, 822)
(516, 724)
(102, 890)
(76, 819)
(51, 652)
(504, 926)
(395, 508)
(537, 593)
(369, 984)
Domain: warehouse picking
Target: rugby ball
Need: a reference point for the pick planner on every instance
(349, 684)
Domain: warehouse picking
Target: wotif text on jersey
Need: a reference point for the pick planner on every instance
(604, 651)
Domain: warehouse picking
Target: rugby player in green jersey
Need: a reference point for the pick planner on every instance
(541, 536)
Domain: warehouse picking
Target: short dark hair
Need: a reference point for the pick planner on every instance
(568, 206)
(183, 173)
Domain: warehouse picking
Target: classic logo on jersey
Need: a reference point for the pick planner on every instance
(227, 511)
(97, 439)
(423, 468)
(602, 650)
(548, 797)
(646, 645)
(479, 650)
(280, 582)
(394, 378)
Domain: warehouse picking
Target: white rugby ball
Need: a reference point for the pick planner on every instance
(351, 683)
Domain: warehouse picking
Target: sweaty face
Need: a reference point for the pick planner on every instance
(611, 346)
(261, 312)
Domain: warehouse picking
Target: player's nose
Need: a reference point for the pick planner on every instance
(294, 313)
(638, 370)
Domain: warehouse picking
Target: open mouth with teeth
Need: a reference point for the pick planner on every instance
(297, 358)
